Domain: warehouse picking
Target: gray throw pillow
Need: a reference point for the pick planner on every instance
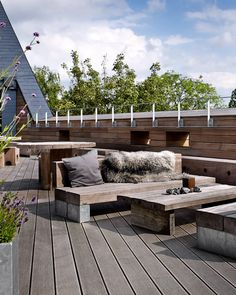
(83, 170)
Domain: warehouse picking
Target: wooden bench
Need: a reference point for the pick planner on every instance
(74, 203)
(155, 210)
(216, 229)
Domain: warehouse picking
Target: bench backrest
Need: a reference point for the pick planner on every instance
(60, 175)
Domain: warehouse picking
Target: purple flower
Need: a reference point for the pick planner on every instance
(2, 24)
(36, 34)
(37, 42)
(33, 199)
(7, 98)
(33, 94)
(22, 112)
(28, 47)
(17, 64)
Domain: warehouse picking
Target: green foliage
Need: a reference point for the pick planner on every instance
(50, 85)
(13, 214)
(232, 103)
(88, 89)
(123, 86)
(170, 88)
(85, 85)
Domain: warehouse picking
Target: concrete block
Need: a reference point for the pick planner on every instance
(219, 242)
(78, 213)
(230, 224)
(61, 208)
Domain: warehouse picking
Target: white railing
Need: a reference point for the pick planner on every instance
(154, 120)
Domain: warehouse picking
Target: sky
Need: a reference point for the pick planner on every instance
(190, 37)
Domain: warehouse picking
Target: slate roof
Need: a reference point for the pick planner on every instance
(9, 49)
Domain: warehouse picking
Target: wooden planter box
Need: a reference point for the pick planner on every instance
(9, 272)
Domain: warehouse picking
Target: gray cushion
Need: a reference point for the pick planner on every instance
(83, 170)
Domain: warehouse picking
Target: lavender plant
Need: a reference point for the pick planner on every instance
(13, 214)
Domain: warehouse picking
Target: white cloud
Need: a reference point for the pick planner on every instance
(177, 40)
(214, 13)
(155, 5)
(223, 81)
(219, 23)
(107, 27)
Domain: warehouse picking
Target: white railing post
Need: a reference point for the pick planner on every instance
(81, 118)
(68, 118)
(113, 123)
(96, 117)
(209, 119)
(180, 121)
(132, 121)
(57, 123)
(154, 120)
(46, 119)
(37, 120)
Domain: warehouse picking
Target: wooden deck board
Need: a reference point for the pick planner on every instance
(153, 266)
(186, 278)
(208, 275)
(86, 264)
(214, 261)
(136, 274)
(65, 271)
(43, 262)
(113, 276)
(108, 255)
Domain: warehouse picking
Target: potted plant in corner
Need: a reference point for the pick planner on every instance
(13, 210)
(13, 214)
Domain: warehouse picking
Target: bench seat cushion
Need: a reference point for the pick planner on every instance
(141, 166)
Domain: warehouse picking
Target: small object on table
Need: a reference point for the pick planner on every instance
(189, 182)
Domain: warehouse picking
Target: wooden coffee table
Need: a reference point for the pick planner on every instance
(155, 210)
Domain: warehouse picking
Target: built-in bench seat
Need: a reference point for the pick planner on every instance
(74, 203)
(216, 229)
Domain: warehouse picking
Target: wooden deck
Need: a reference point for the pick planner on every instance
(107, 255)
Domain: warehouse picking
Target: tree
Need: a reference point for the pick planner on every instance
(85, 85)
(170, 88)
(50, 85)
(89, 89)
(232, 103)
(122, 85)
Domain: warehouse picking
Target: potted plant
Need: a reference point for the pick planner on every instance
(13, 214)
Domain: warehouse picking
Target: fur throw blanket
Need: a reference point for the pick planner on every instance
(138, 166)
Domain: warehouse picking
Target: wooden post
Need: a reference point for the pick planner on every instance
(152, 218)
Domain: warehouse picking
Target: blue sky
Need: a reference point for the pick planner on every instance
(191, 37)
